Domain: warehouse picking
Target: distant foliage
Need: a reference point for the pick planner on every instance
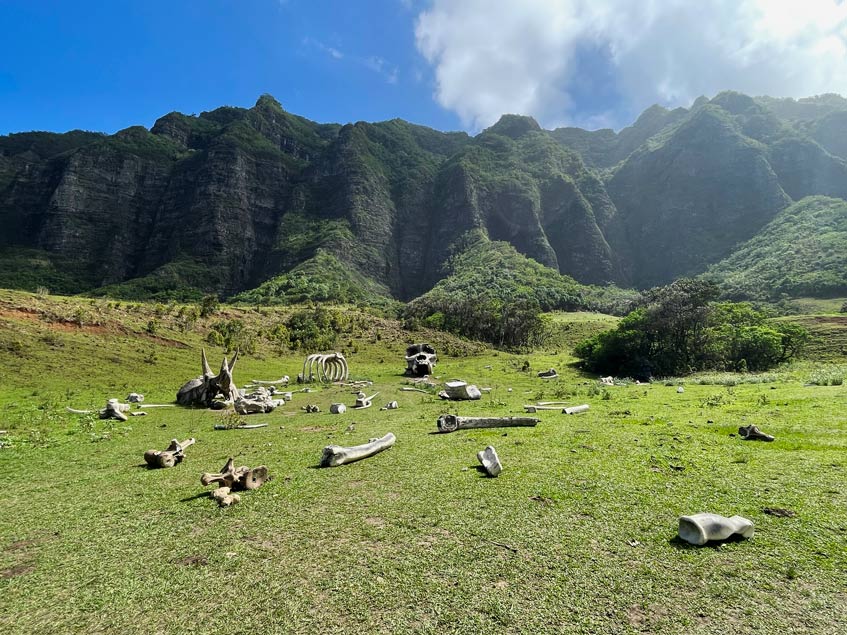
(680, 329)
(495, 294)
(313, 330)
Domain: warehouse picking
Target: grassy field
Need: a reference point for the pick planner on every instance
(577, 535)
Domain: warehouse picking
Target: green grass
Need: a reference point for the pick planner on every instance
(414, 539)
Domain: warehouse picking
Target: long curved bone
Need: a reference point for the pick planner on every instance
(325, 368)
(363, 401)
(451, 423)
(78, 412)
(335, 455)
(170, 456)
(261, 382)
(698, 529)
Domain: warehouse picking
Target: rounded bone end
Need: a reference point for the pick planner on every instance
(691, 531)
(332, 456)
(447, 423)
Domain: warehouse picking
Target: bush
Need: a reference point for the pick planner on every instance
(315, 329)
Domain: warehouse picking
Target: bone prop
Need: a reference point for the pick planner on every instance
(78, 412)
(699, 529)
(337, 408)
(276, 382)
(573, 410)
(459, 390)
(115, 410)
(752, 433)
(490, 461)
(224, 497)
(169, 457)
(240, 478)
(241, 426)
(451, 423)
(335, 455)
(530, 408)
(364, 402)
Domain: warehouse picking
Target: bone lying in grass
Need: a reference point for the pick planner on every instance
(752, 433)
(225, 497)
(334, 455)
(257, 402)
(242, 426)
(114, 410)
(276, 382)
(459, 391)
(237, 478)
(451, 423)
(363, 401)
(169, 457)
(575, 410)
(337, 408)
(391, 405)
(548, 374)
(698, 529)
(490, 461)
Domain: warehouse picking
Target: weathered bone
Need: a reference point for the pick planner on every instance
(337, 408)
(459, 391)
(334, 455)
(548, 374)
(325, 368)
(169, 457)
(574, 410)
(752, 433)
(391, 405)
(699, 529)
(202, 391)
(257, 402)
(364, 402)
(241, 426)
(530, 408)
(451, 423)
(78, 412)
(134, 397)
(283, 381)
(224, 497)
(115, 410)
(490, 461)
(420, 360)
(240, 478)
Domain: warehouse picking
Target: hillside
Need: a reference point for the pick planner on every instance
(238, 199)
(802, 252)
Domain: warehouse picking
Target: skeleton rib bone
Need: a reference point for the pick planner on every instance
(325, 368)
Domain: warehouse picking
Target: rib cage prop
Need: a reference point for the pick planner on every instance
(329, 367)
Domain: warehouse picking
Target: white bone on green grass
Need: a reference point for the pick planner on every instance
(698, 529)
(237, 478)
(335, 455)
(451, 423)
(170, 456)
(257, 402)
(490, 461)
(325, 368)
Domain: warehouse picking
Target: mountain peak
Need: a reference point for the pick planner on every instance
(514, 126)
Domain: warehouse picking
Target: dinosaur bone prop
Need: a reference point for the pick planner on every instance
(752, 433)
(232, 478)
(335, 455)
(459, 391)
(114, 410)
(548, 374)
(134, 397)
(575, 410)
(391, 405)
(257, 402)
(363, 401)
(490, 461)
(277, 382)
(451, 423)
(324, 368)
(699, 529)
(203, 390)
(337, 408)
(420, 360)
(169, 457)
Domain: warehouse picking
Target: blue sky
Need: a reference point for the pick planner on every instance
(449, 64)
(111, 64)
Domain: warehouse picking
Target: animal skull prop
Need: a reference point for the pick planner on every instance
(420, 360)
(203, 390)
(325, 368)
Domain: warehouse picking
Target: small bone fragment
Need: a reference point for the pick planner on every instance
(680, 390)
(548, 374)
(337, 408)
(410, 389)
(391, 405)
(699, 529)
(224, 497)
(451, 423)
(752, 433)
(138, 413)
(258, 401)
(490, 461)
(261, 382)
(168, 457)
(607, 381)
(134, 397)
(459, 391)
(334, 455)
(310, 407)
(551, 403)
(78, 412)
(575, 409)
(160, 405)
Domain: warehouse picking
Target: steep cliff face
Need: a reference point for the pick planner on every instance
(229, 199)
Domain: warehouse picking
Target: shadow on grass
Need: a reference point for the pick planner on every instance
(203, 494)
(682, 545)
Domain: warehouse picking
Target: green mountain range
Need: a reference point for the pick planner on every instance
(266, 206)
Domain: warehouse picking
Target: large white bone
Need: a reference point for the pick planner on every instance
(331, 367)
(490, 461)
(451, 423)
(334, 455)
(459, 390)
(699, 529)
(284, 381)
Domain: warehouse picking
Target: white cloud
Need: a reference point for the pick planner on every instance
(496, 56)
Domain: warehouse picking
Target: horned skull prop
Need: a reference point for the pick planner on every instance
(325, 368)
(202, 391)
(420, 360)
